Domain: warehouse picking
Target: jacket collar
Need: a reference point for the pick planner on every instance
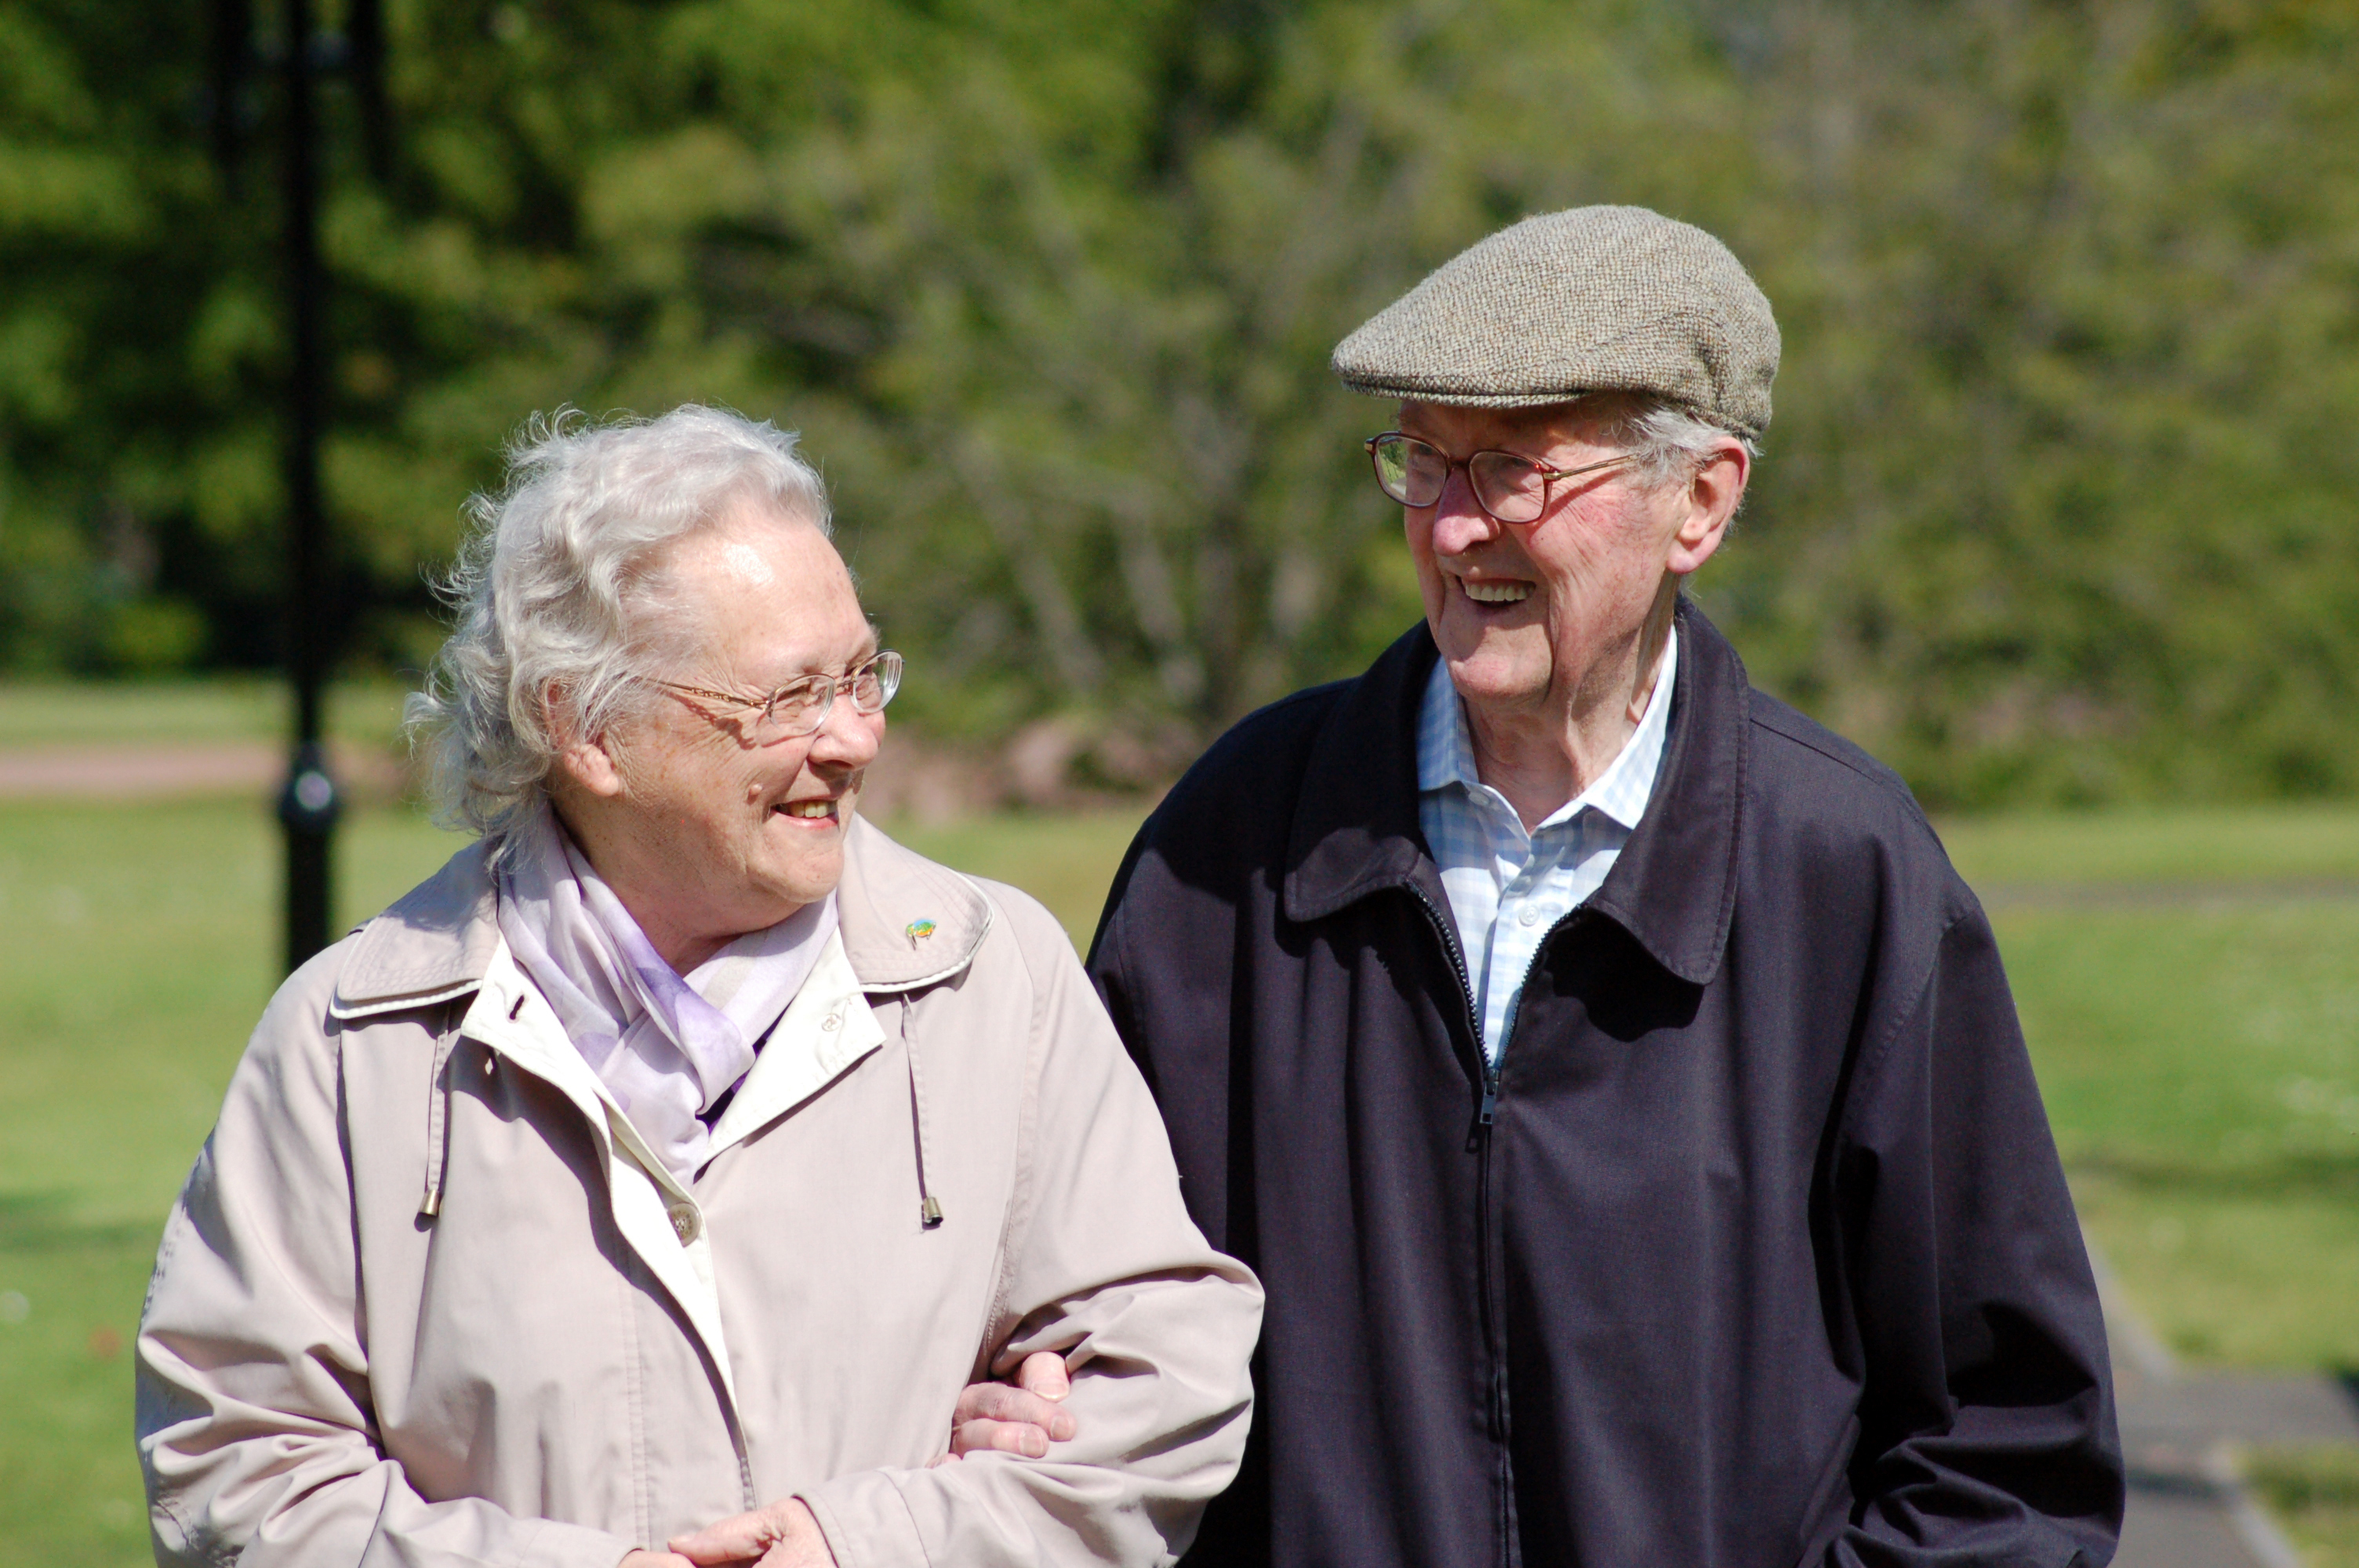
(1673, 888)
(905, 922)
(434, 943)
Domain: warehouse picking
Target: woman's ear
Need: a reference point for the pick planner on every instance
(583, 759)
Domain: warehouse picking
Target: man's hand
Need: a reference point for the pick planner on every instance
(1019, 1419)
(783, 1535)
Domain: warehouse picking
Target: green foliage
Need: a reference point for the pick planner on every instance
(2055, 509)
(2058, 507)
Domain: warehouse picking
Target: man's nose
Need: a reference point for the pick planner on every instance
(1459, 524)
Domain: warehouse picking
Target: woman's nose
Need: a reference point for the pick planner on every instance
(847, 737)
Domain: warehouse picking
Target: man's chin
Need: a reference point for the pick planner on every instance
(1492, 677)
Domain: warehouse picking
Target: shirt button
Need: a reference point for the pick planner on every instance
(1529, 918)
(684, 1224)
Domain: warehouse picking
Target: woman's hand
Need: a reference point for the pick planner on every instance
(783, 1535)
(1018, 1419)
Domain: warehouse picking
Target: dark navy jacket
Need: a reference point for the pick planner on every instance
(1763, 1257)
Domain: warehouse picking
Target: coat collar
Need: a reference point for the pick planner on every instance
(905, 922)
(1673, 888)
(433, 944)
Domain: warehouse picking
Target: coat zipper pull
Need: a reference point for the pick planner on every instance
(1481, 1124)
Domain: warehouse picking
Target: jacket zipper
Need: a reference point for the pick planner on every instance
(1478, 1142)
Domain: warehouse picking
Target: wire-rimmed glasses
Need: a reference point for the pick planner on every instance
(800, 707)
(1508, 487)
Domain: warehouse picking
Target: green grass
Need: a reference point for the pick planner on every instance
(2140, 847)
(1066, 863)
(2201, 1068)
(2196, 1032)
(140, 953)
(2201, 1059)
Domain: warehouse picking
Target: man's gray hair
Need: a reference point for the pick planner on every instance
(557, 590)
(1672, 439)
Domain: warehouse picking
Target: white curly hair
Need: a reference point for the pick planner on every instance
(557, 591)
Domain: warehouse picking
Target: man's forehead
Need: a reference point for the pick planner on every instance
(1487, 426)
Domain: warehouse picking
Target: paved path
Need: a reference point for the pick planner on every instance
(2181, 1430)
(2187, 1508)
(159, 772)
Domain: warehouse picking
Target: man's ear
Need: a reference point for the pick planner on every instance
(584, 760)
(1709, 500)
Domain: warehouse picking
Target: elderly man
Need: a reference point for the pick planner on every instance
(657, 1174)
(1614, 1085)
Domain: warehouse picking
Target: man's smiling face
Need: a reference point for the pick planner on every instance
(1541, 616)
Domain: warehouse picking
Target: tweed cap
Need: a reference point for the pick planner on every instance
(1594, 300)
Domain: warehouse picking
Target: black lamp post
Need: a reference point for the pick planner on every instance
(309, 803)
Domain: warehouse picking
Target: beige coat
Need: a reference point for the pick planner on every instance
(426, 1299)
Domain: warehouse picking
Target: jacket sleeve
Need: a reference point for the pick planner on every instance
(255, 1421)
(1987, 1431)
(1101, 1265)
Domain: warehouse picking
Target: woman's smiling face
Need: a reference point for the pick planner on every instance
(708, 834)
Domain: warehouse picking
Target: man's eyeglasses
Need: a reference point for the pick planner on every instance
(800, 707)
(1509, 488)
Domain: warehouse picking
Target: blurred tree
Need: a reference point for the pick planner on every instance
(2057, 504)
(2055, 507)
(106, 234)
(1094, 465)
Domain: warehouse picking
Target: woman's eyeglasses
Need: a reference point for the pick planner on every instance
(800, 707)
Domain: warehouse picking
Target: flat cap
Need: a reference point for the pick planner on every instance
(1593, 299)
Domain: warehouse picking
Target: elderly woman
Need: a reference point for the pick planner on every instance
(663, 1168)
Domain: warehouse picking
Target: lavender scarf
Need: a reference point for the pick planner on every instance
(665, 1048)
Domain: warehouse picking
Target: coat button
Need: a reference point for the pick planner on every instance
(684, 1224)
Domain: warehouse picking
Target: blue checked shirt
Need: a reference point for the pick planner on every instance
(1508, 887)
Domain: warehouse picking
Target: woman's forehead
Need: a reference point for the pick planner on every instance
(782, 647)
(749, 564)
(769, 603)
